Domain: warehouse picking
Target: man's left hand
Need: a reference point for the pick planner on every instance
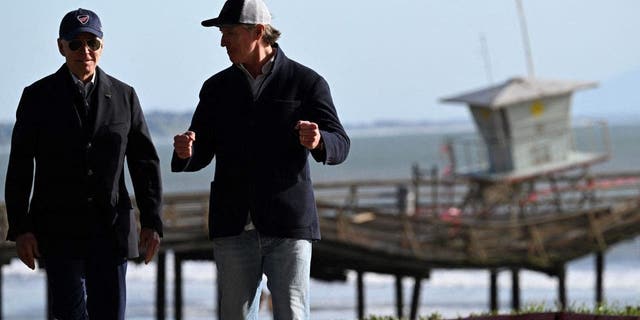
(149, 243)
(309, 134)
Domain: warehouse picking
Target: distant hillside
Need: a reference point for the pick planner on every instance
(164, 125)
(167, 124)
(617, 99)
(161, 125)
(5, 133)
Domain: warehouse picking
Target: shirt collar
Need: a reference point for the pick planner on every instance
(86, 85)
(266, 68)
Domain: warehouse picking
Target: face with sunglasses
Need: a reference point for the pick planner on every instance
(82, 54)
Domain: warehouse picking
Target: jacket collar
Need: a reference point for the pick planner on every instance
(280, 58)
(102, 93)
(102, 98)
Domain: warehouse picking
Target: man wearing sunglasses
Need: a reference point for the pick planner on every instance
(74, 130)
(261, 118)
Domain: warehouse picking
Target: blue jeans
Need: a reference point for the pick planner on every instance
(91, 287)
(242, 260)
(81, 289)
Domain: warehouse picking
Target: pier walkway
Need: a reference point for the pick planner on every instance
(406, 228)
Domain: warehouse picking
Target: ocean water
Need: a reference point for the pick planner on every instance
(374, 155)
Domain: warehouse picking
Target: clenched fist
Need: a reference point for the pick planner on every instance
(183, 144)
(309, 134)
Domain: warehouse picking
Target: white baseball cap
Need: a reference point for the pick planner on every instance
(241, 12)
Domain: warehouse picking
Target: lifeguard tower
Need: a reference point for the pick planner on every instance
(526, 135)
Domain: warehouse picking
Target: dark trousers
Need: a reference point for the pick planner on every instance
(91, 287)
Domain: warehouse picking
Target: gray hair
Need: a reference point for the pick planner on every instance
(271, 34)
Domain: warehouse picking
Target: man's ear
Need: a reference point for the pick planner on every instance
(60, 46)
(259, 30)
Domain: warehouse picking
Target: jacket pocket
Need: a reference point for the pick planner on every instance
(228, 209)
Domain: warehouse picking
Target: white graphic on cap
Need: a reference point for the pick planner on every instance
(83, 18)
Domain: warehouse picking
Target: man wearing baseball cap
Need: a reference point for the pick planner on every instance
(261, 118)
(73, 131)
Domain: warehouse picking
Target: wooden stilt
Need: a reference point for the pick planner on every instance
(599, 278)
(160, 286)
(562, 288)
(415, 300)
(1, 317)
(493, 291)
(515, 289)
(177, 286)
(360, 295)
(218, 295)
(399, 297)
(49, 308)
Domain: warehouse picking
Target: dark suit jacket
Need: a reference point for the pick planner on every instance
(261, 167)
(79, 187)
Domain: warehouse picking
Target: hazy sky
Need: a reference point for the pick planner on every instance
(382, 59)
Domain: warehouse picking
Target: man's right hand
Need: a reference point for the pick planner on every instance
(183, 144)
(27, 249)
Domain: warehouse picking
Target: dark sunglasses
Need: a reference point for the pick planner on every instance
(93, 44)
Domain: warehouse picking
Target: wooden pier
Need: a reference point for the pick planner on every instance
(406, 228)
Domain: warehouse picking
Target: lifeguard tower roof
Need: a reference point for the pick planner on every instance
(516, 90)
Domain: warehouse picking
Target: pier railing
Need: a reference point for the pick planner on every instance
(408, 227)
(412, 218)
(539, 225)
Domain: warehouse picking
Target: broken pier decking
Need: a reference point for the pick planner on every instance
(408, 227)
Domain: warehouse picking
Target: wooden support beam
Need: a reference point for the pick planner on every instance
(403, 202)
(493, 291)
(415, 179)
(599, 278)
(435, 182)
(47, 294)
(361, 306)
(415, 299)
(218, 295)
(399, 297)
(557, 195)
(515, 289)
(1, 279)
(562, 287)
(177, 286)
(160, 286)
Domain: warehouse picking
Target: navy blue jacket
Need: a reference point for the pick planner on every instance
(77, 166)
(261, 167)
